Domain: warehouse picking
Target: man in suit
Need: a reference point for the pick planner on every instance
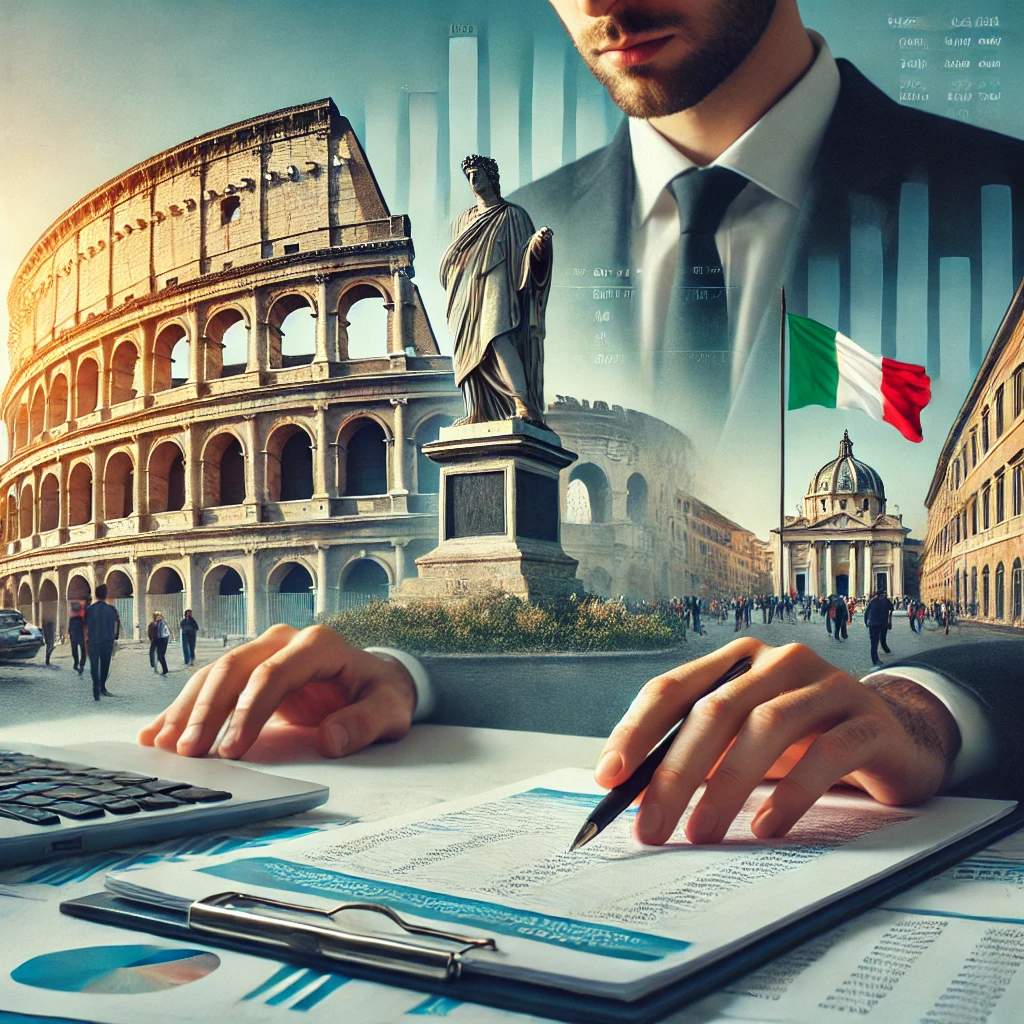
(876, 618)
(804, 148)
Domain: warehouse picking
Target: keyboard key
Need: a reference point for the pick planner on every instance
(27, 787)
(103, 787)
(163, 786)
(72, 809)
(198, 795)
(131, 778)
(69, 793)
(158, 802)
(132, 792)
(32, 800)
(114, 804)
(29, 815)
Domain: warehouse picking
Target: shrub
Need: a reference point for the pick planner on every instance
(502, 623)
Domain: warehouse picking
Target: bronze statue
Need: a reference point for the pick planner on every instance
(497, 273)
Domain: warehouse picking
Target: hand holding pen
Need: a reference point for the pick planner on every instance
(790, 715)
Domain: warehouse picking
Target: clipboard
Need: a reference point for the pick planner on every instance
(443, 965)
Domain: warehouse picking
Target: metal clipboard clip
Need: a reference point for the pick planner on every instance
(277, 924)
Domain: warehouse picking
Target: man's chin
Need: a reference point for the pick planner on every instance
(652, 92)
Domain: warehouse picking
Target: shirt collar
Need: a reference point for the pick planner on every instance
(776, 152)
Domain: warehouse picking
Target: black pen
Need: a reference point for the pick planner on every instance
(619, 798)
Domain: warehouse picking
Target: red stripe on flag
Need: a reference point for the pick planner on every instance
(906, 390)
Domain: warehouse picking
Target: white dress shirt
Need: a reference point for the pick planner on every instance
(776, 155)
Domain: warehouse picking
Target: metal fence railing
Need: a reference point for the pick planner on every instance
(291, 609)
(126, 613)
(357, 598)
(171, 606)
(225, 615)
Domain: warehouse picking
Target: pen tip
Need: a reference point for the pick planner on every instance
(584, 836)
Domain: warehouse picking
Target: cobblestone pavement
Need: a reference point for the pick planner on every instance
(561, 693)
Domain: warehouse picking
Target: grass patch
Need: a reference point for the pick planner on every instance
(501, 623)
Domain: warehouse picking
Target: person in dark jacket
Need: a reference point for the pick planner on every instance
(76, 634)
(842, 616)
(163, 638)
(102, 629)
(188, 627)
(151, 635)
(876, 618)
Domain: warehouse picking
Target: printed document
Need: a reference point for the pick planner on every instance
(614, 918)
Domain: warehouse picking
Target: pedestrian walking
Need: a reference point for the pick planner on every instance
(102, 629)
(876, 617)
(163, 638)
(188, 627)
(151, 634)
(841, 617)
(49, 628)
(76, 633)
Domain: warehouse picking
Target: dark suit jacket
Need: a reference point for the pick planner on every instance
(994, 672)
(872, 146)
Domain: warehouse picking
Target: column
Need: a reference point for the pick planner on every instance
(193, 477)
(193, 588)
(36, 502)
(196, 342)
(829, 584)
(869, 575)
(853, 570)
(257, 354)
(139, 594)
(400, 313)
(254, 465)
(145, 367)
(813, 584)
(324, 604)
(897, 569)
(253, 595)
(140, 490)
(320, 466)
(103, 381)
(786, 569)
(400, 449)
(400, 564)
(62, 497)
(326, 345)
(97, 487)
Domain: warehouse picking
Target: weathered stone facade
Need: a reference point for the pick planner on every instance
(974, 549)
(143, 456)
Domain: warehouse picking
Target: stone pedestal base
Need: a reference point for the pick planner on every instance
(498, 514)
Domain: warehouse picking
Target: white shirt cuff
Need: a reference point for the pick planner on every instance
(418, 674)
(977, 751)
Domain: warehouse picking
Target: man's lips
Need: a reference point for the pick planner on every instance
(628, 53)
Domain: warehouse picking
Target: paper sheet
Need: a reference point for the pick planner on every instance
(612, 918)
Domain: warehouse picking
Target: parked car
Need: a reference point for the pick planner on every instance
(18, 639)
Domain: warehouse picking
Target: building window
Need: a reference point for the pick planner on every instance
(1017, 489)
(1000, 591)
(985, 440)
(985, 506)
(984, 591)
(956, 475)
(974, 590)
(291, 248)
(974, 517)
(230, 209)
(1000, 499)
(1018, 391)
(170, 282)
(974, 447)
(999, 410)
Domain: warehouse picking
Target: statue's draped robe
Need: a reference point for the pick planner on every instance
(494, 289)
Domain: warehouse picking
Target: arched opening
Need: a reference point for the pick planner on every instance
(292, 597)
(118, 487)
(1000, 591)
(166, 594)
(166, 478)
(224, 602)
(588, 495)
(58, 403)
(170, 358)
(49, 503)
(230, 210)
(122, 373)
(121, 595)
(21, 426)
(291, 327)
(37, 414)
(1017, 590)
(289, 464)
(80, 495)
(636, 499)
(25, 603)
(364, 580)
(985, 592)
(79, 588)
(974, 590)
(27, 506)
(227, 344)
(11, 519)
(87, 387)
(49, 601)
(428, 472)
(363, 323)
(224, 471)
(366, 463)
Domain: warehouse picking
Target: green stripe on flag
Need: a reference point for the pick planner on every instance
(813, 366)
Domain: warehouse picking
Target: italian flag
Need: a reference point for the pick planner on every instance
(827, 368)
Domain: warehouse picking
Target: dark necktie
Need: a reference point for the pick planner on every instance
(695, 357)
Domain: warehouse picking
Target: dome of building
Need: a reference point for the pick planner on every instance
(847, 476)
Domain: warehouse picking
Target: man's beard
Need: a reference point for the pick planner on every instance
(645, 91)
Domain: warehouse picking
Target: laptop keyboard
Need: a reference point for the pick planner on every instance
(39, 791)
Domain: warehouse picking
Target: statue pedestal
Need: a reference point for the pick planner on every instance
(498, 511)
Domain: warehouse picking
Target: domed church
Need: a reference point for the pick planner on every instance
(844, 542)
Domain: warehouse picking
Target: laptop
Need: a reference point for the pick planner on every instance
(56, 801)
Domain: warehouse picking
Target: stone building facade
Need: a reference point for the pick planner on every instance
(629, 515)
(221, 373)
(845, 541)
(974, 547)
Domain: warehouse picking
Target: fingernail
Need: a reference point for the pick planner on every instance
(649, 823)
(609, 766)
(337, 738)
(766, 822)
(229, 740)
(166, 733)
(190, 735)
(702, 824)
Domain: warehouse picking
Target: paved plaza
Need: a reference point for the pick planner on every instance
(550, 693)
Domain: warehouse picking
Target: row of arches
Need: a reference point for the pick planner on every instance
(226, 350)
(289, 475)
(990, 600)
(588, 496)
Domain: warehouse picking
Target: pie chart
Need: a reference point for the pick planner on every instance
(116, 970)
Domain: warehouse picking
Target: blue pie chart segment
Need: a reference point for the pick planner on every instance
(116, 970)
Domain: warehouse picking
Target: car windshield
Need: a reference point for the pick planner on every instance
(9, 619)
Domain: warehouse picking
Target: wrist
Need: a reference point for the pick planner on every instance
(924, 717)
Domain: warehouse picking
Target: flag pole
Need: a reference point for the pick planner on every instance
(783, 582)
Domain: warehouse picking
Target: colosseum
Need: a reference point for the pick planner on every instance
(221, 375)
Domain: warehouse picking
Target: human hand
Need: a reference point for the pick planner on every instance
(302, 677)
(793, 717)
(541, 242)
